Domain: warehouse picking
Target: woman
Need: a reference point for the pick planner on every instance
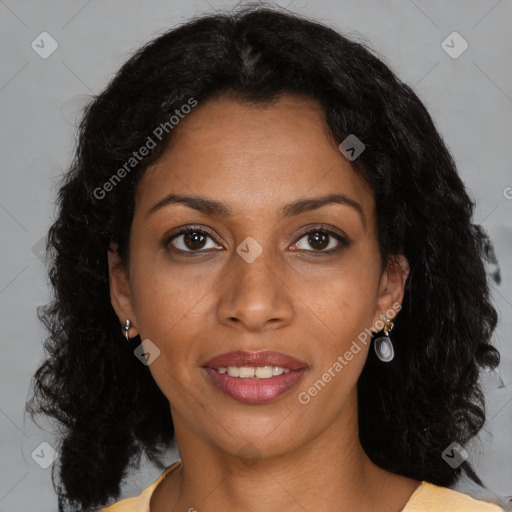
(264, 253)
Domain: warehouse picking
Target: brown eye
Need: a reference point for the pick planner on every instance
(322, 241)
(191, 239)
(318, 240)
(194, 240)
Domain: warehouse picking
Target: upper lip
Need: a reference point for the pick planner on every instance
(253, 359)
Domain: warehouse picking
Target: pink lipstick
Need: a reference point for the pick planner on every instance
(254, 377)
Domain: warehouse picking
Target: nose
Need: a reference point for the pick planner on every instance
(254, 295)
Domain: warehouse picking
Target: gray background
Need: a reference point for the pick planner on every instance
(469, 97)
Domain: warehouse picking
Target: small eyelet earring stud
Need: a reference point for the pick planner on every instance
(126, 328)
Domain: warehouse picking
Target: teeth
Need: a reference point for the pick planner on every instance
(233, 371)
(245, 372)
(264, 372)
(248, 372)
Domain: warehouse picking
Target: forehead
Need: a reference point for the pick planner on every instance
(253, 156)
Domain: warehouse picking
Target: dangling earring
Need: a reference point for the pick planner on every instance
(383, 346)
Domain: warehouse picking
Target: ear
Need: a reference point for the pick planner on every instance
(392, 286)
(120, 292)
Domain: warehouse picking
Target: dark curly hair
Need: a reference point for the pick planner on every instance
(410, 410)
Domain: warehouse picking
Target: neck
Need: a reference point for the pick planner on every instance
(331, 472)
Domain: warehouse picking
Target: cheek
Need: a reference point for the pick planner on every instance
(347, 313)
(164, 321)
(344, 295)
(169, 303)
(167, 296)
(340, 356)
(347, 307)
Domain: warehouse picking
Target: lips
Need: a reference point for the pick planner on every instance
(253, 390)
(266, 358)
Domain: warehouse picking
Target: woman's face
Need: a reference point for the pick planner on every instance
(255, 281)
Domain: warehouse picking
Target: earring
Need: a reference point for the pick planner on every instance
(383, 346)
(126, 328)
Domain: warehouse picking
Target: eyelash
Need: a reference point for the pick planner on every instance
(343, 241)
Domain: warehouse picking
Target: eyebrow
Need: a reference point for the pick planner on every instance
(216, 208)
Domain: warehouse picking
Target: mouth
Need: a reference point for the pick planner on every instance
(254, 377)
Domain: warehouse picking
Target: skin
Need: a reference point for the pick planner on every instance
(281, 455)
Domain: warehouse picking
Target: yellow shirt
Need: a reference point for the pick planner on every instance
(426, 498)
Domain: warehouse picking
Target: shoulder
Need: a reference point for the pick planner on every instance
(140, 503)
(433, 498)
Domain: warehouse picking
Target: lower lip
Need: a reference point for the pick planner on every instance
(255, 391)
